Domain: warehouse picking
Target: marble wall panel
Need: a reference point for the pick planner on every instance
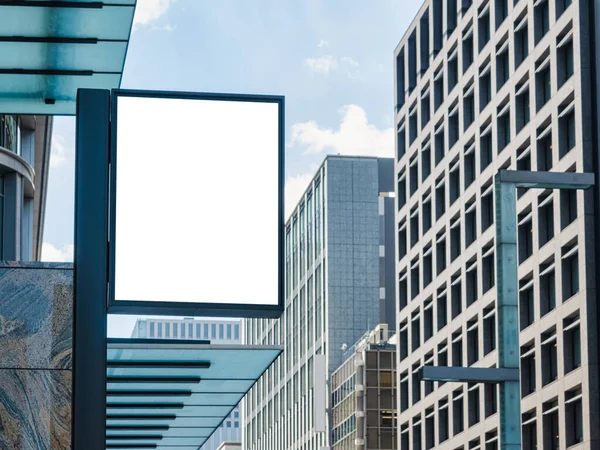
(36, 316)
(35, 409)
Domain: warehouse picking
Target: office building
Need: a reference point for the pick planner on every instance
(339, 247)
(217, 331)
(24, 162)
(483, 86)
(363, 395)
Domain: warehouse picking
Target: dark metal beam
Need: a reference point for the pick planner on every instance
(468, 374)
(90, 270)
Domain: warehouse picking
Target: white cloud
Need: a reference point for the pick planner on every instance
(355, 136)
(294, 188)
(52, 254)
(60, 154)
(324, 65)
(322, 43)
(147, 11)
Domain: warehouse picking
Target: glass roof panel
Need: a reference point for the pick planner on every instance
(174, 394)
(108, 22)
(98, 57)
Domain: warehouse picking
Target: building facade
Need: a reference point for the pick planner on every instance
(24, 161)
(482, 86)
(217, 331)
(363, 395)
(339, 243)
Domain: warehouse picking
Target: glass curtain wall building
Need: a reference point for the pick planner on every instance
(339, 243)
(483, 86)
(217, 331)
(25, 143)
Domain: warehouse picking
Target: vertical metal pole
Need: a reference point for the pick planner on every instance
(90, 275)
(508, 312)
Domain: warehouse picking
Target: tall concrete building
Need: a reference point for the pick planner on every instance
(217, 331)
(339, 245)
(24, 161)
(363, 395)
(482, 86)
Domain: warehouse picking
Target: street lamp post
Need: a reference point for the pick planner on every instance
(507, 300)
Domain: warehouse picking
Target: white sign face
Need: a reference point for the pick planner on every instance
(197, 201)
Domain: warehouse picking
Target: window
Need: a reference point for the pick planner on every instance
(527, 369)
(545, 219)
(458, 412)
(229, 331)
(414, 226)
(529, 430)
(526, 302)
(570, 271)
(213, 331)
(469, 164)
(549, 357)
(415, 332)
(413, 127)
(572, 343)
(471, 282)
(402, 246)
(455, 245)
(160, 330)
(561, 6)
(550, 425)
(206, 336)
(236, 332)
(452, 11)
(443, 422)
(412, 61)
(544, 151)
(523, 114)
(425, 109)
(438, 89)
(521, 40)
(469, 109)
(470, 224)
(485, 151)
(487, 209)
(414, 175)
(501, 11)
(403, 291)
(485, 88)
(488, 276)
(502, 67)
(574, 416)
(221, 331)
(424, 38)
(489, 330)
(401, 190)
(428, 320)
(568, 207)
(457, 349)
(403, 341)
(414, 278)
(167, 330)
(440, 198)
(484, 28)
(438, 25)
(541, 15)
(440, 144)
(474, 413)
(543, 83)
(442, 310)
(452, 70)
(429, 429)
(151, 329)
(491, 400)
(503, 123)
(467, 49)
(453, 126)
(565, 61)
(472, 342)
(427, 268)
(454, 183)
(566, 133)
(547, 288)
(425, 161)
(427, 211)
(401, 141)
(525, 236)
(400, 83)
(456, 295)
(416, 384)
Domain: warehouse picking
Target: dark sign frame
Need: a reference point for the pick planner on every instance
(138, 307)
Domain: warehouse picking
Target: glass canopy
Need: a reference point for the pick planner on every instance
(49, 49)
(175, 394)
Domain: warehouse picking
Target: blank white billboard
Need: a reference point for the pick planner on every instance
(198, 198)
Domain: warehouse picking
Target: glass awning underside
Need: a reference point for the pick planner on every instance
(49, 49)
(175, 394)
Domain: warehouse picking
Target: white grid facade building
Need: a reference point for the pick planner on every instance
(481, 86)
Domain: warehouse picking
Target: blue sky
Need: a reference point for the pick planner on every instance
(332, 59)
